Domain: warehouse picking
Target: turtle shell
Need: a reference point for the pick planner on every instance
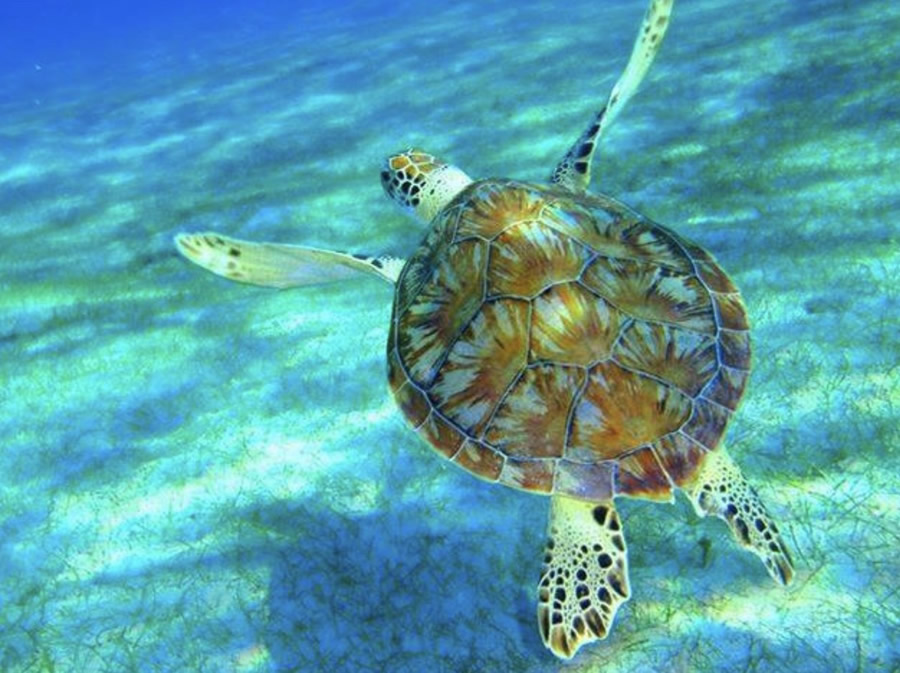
(563, 343)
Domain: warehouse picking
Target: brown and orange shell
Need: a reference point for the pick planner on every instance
(563, 343)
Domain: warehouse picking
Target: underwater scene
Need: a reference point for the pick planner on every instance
(199, 475)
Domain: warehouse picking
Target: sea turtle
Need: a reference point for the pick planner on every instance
(557, 342)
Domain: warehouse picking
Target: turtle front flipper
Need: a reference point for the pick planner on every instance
(279, 265)
(574, 171)
(585, 575)
(721, 490)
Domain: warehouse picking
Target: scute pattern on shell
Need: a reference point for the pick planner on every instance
(560, 343)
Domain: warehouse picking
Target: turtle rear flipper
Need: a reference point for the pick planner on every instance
(585, 575)
(721, 490)
(279, 265)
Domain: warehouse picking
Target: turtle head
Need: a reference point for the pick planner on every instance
(421, 183)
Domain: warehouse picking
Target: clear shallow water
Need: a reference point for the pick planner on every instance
(203, 476)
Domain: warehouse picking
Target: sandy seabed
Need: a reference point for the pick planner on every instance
(201, 476)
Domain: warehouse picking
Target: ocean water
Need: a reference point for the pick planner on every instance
(201, 476)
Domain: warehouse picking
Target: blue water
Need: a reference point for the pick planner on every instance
(61, 31)
(48, 43)
(202, 476)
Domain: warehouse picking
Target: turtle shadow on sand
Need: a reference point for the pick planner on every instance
(402, 590)
(393, 590)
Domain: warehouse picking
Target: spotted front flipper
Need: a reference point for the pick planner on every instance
(574, 171)
(278, 265)
(585, 575)
(721, 490)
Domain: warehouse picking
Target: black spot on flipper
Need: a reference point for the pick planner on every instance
(377, 263)
(600, 514)
(595, 624)
(616, 583)
(782, 573)
(743, 531)
(234, 252)
(581, 167)
(704, 499)
(585, 150)
(605, 560)
(360, 256)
